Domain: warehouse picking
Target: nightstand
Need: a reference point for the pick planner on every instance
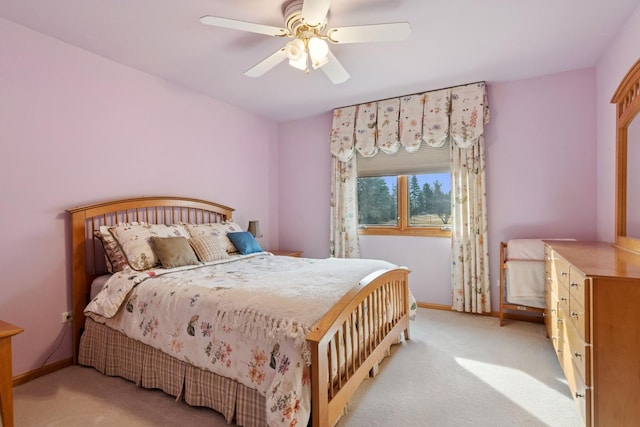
(286, 252)
(7, 330)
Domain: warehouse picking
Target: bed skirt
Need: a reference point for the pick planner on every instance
(114, 354)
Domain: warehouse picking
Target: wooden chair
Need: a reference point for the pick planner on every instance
(506, 302)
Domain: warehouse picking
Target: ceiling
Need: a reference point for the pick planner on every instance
(452, 42)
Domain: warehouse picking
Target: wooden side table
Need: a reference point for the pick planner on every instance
(286, 252)
(7, 330)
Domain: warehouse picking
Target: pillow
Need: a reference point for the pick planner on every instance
(215, 229)
(115, 260)
(245, 242)
(134, 242)
(173, 251)
(208, 248)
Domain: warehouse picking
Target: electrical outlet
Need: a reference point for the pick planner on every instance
(66, 316)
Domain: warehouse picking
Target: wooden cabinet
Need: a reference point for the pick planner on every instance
(592, 317)
(7, 330)
(286, 252)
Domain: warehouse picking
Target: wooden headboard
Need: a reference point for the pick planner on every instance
(87, 256)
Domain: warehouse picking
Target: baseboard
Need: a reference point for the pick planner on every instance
(512, 316)
(434, 306)
(44, 370)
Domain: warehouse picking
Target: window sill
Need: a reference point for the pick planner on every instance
(420, 232)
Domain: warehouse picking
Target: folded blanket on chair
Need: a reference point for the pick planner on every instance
(525, 279)
(527, 249)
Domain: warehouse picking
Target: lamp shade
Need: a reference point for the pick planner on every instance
(295, 49)
(254, 228)
(318, 51)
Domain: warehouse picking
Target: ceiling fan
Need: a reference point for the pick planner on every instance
(306, 22)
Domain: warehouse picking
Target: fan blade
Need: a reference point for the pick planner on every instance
(370, 33)
(314, 12)
(266, 64)
(244, 26)
(334, 70)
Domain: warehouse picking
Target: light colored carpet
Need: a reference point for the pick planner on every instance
(457, 370)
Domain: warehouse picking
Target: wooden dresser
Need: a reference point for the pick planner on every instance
(7, 330)
(592, 316)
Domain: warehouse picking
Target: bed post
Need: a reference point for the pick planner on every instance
(382, 295)
(319, 386)
(78, 277)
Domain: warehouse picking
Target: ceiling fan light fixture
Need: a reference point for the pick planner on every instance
(300, 63)
(318, 51)
(295, 50)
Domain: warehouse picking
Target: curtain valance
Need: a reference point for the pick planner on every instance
(459, 113)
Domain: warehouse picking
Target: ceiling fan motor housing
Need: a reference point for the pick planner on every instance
(292, 11)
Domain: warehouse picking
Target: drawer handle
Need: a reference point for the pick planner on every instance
(578, 355)
(574, 284)
(563, 299)
(575, 314)
(579, 395)
(564, 273)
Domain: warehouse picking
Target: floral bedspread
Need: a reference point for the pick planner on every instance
(244, 318)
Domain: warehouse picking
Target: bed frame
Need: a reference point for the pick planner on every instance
(382, 295)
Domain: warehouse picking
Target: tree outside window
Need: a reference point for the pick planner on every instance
(405, 205)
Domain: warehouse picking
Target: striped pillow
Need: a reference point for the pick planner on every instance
(208, 248)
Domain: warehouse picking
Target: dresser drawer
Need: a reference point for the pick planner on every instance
(577, 286)
(579, 318)
(563, 299)
(578, 352)
(581, 395)
(561, 267)
(557, 339)
(551, 315)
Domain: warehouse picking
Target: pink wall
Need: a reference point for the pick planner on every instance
(535, 188)
(541, 159)
(71, 125)
(304, 184)
(622, 53)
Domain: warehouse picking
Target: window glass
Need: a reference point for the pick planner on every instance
(413, 205)
(430, 200)
(378, 201)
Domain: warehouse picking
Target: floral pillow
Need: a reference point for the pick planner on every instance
(134, 240)
(115, 260)
(218, 230)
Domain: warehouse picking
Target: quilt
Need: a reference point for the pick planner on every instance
(245, 318)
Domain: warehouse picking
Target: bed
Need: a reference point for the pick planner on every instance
(258, 360)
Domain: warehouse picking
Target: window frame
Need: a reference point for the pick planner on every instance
(403, 228)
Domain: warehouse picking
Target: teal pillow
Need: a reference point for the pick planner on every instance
(244, 242)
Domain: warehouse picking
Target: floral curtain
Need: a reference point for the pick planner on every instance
(343, 240)
(458, 114)
(469, 247)
(344, 209)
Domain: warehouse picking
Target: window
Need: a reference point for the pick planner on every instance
(406, 193)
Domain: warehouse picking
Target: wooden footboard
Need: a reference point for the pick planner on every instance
(368, 319)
